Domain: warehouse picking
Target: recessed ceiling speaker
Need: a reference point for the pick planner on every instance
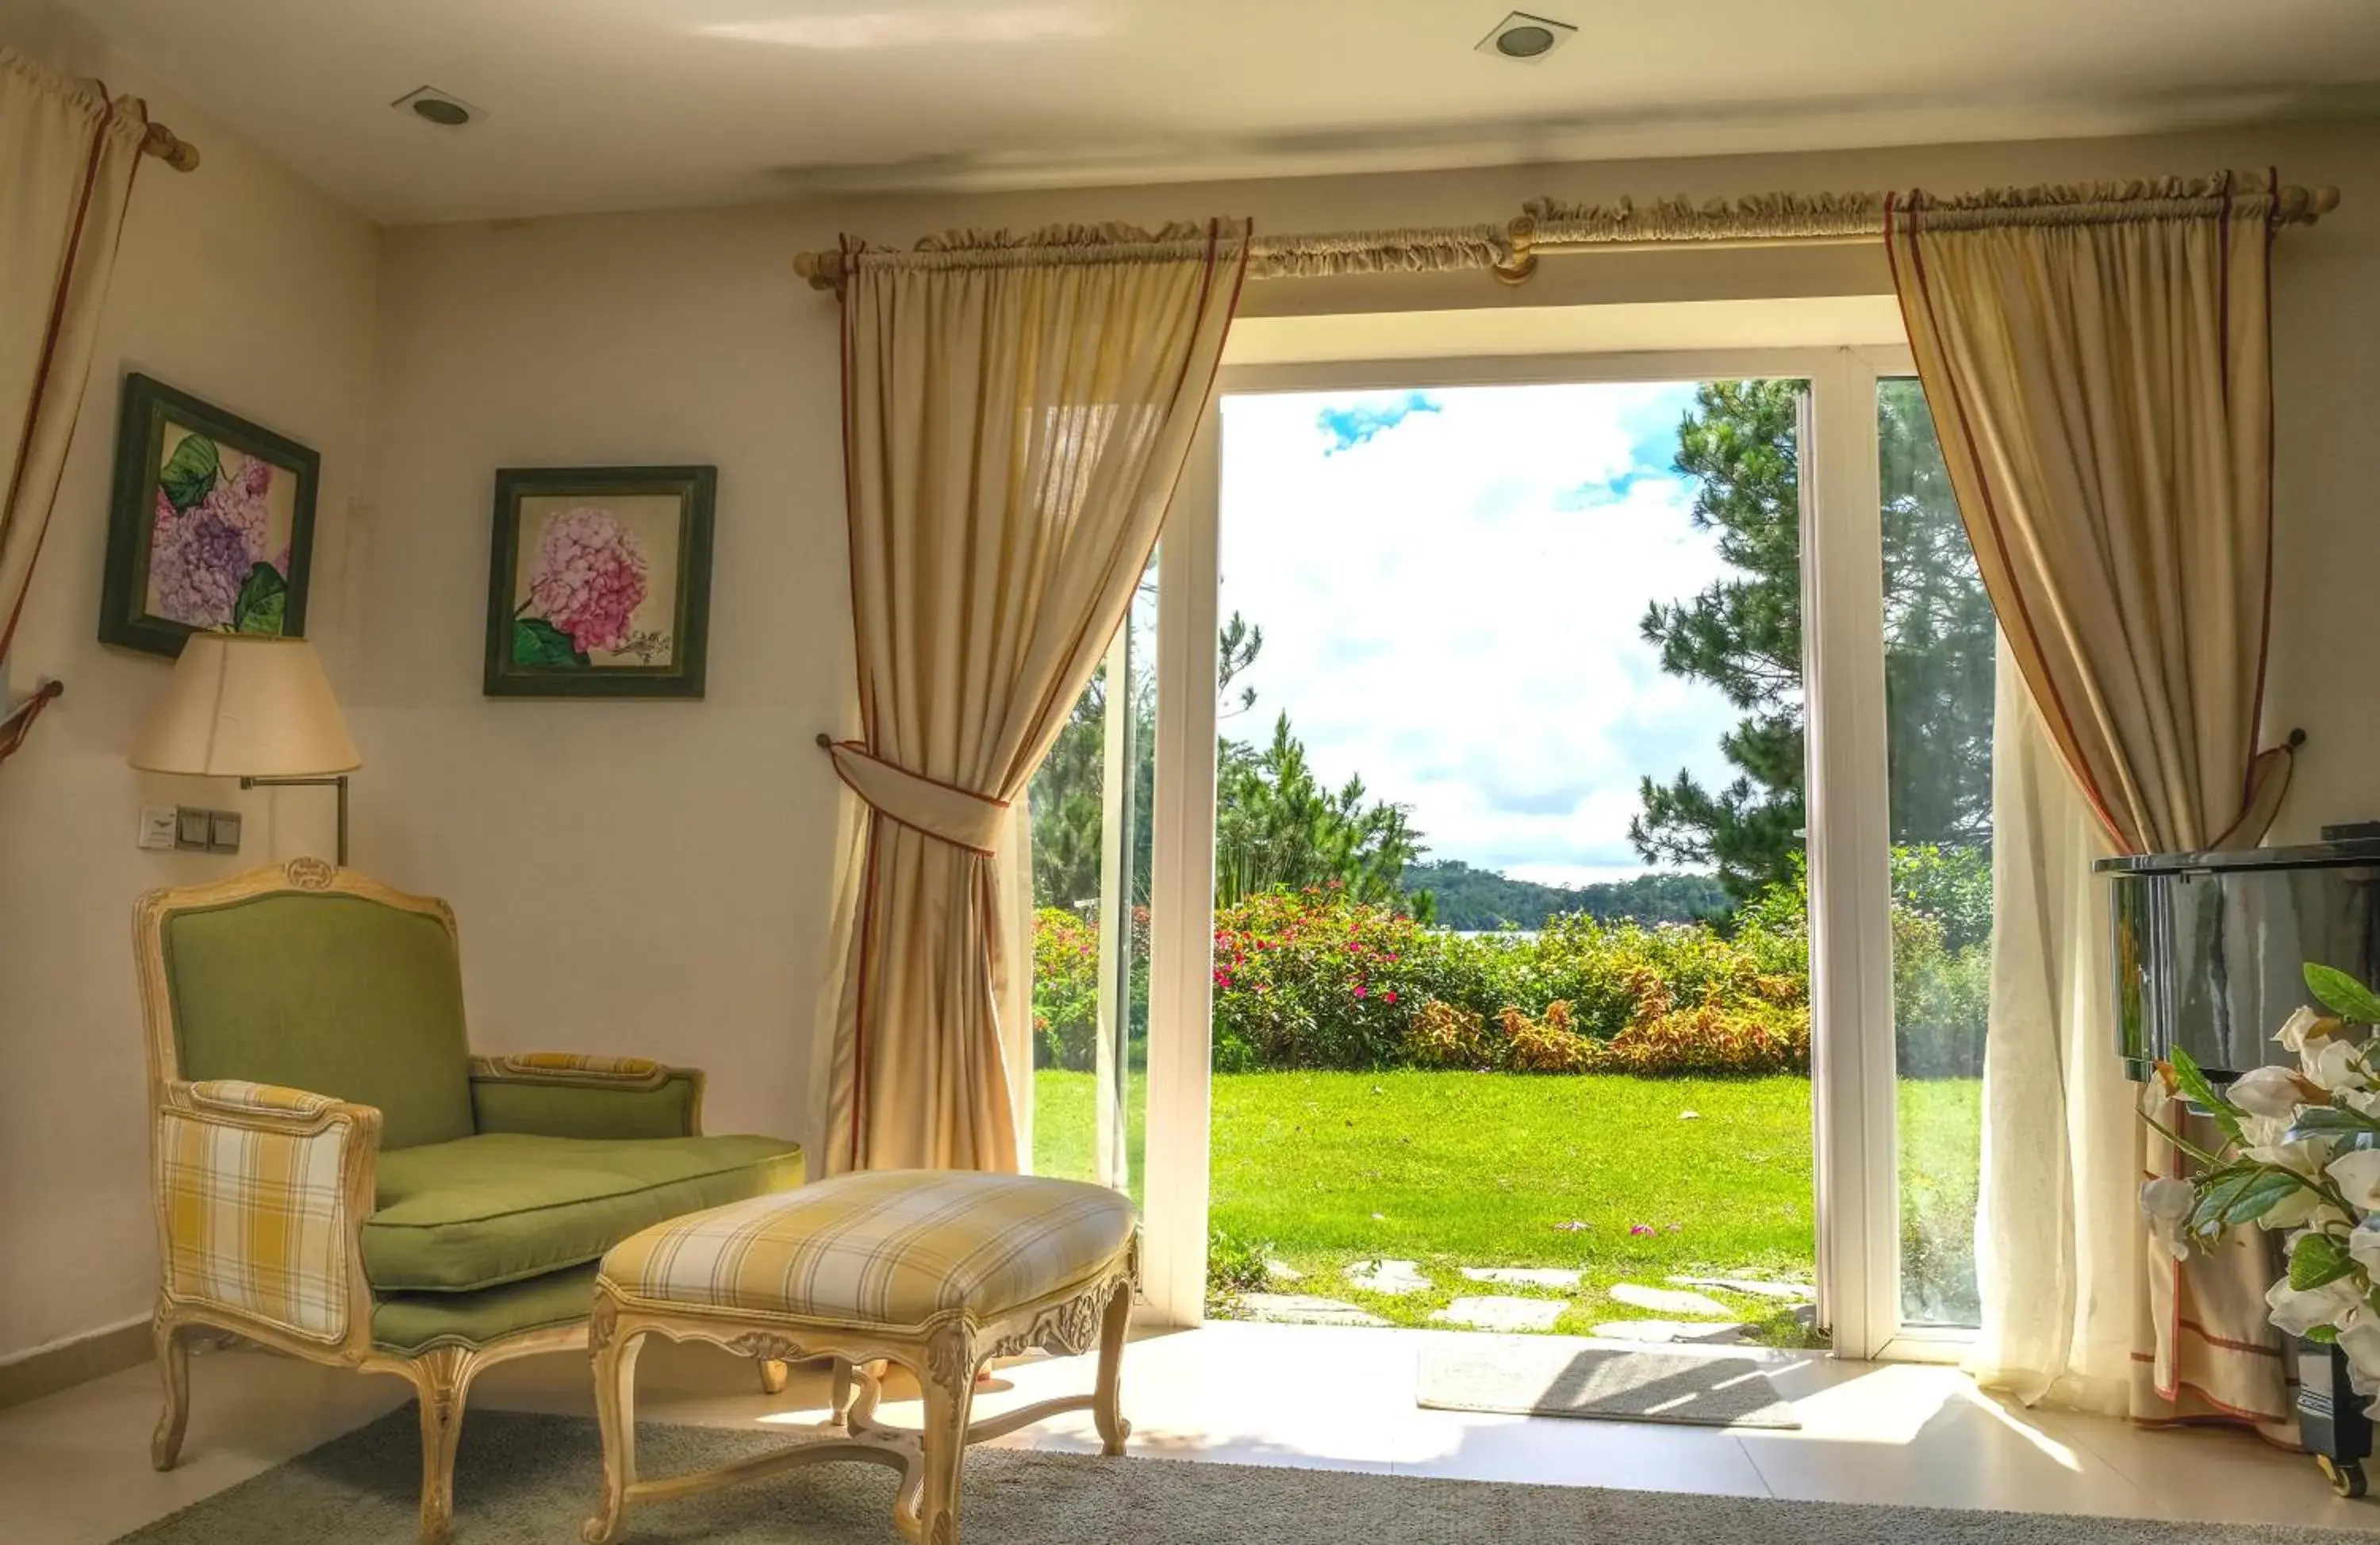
(1526, 39)
(433, 107)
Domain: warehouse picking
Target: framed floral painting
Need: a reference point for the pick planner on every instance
(599, 581)
(212, 528)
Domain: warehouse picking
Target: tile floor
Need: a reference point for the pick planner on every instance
(74, 1465)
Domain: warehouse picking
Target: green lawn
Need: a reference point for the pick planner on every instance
(1479, 1169)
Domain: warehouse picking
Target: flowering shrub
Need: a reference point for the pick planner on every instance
(1065, 989)
(1308, 979)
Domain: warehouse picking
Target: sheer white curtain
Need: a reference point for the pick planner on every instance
(2057, 1233)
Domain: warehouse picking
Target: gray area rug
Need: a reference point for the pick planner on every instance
(530, 1479)
(1548, 1377)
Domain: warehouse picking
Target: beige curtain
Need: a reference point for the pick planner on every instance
(1016, 412)
(2097, 361)
(69, 155)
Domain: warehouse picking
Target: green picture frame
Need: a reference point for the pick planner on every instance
(211, 525)
(599, 581)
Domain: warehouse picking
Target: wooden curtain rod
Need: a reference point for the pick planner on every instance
(170, 148)
(1546, 225)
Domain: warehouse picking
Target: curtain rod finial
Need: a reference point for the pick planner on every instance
(825, 741)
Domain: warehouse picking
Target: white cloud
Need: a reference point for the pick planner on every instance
(1450, 609)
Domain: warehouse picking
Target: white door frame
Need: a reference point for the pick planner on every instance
(1852, 1091)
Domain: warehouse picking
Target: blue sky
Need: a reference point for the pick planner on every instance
(1450, 584)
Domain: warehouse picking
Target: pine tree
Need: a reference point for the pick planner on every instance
(1743, 634)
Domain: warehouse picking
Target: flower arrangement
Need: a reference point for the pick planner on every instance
(2301, 1153)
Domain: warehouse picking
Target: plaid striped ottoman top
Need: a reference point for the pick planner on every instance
(895, 1247)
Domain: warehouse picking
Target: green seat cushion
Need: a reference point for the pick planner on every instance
(335, 994)
(414, 1322)
(500, 1207)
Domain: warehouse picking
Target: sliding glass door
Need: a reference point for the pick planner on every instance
(1896, 642)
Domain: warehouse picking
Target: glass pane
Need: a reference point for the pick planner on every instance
(1938, 646)
(1091, 809)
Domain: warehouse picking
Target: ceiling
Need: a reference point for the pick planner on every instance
(595, 105)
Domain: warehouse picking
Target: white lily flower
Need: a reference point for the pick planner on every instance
(2167, 1204)
(2357, 1175)
(2303, 1156)
(2306, 1025)
(2264, 1131)
(2298, 1311)
(2268, 1092)
(2359, 1339)
(2363, 1245)
(2334, 1064)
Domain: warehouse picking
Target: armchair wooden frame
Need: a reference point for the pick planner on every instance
(440, 1373)
(945, 1355)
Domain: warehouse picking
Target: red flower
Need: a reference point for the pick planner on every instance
(1388, 997)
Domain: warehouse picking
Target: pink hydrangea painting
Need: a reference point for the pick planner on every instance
(599, 581)
(587, 576)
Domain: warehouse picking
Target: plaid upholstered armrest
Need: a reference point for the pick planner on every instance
(261, 1192)
(566, 1094)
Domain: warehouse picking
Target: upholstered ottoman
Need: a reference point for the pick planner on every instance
(938, 1270)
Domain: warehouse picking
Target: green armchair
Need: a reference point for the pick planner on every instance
(337, 1177)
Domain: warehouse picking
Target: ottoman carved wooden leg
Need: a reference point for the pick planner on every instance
(940, 1273)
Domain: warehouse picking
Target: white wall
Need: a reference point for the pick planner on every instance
(653, 876)
(245, 286)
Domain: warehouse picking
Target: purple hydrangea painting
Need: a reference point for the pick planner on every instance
(219, 540)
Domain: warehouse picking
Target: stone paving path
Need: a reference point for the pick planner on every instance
(1668, 1300)
(1500, 1313)
(1305, 1309)
(1398, 1277)
(1685, 1313)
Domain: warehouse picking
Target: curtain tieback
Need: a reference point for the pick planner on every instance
(944, 811)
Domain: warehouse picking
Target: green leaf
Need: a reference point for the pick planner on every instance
(189, 475)
(263, 603)
(2342, 994)
(2197, 1088)
(2316, 1259)
(2330, 1121)
(541, 646)
(2262, 1192)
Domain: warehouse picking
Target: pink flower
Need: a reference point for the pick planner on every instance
(589, 576)
(1640, 1229)
(1359, 989)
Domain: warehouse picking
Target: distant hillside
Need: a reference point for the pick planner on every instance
(1481, 899)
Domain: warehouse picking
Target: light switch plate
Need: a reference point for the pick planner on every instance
(194, 828)
(223, 833)
(157, 827)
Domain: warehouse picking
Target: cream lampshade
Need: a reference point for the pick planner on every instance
(255, 708)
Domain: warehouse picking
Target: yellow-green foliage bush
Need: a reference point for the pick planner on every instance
(1445, 1035)
(1548, 1045)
